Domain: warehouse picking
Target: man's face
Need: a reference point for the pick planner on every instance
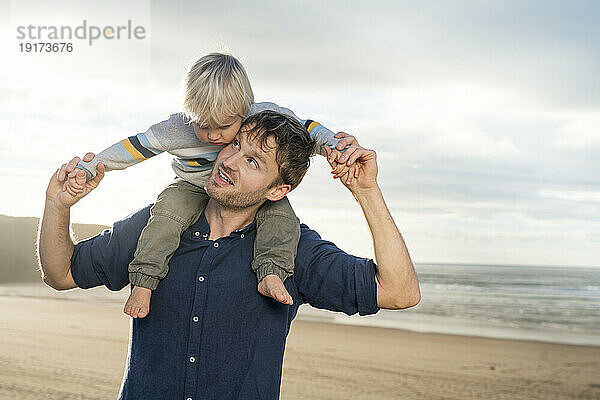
(243, 174)
(218, 135)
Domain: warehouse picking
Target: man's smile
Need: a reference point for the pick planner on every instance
(222, 179)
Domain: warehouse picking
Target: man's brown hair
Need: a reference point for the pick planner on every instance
(294, 144)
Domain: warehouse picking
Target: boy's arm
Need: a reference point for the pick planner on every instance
(322, 135)
(127, 152)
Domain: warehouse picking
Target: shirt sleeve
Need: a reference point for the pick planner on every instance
(318, 132)
(104, 258)
(129, 151)
(329, 278)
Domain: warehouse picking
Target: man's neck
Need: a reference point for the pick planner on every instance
(223, 221)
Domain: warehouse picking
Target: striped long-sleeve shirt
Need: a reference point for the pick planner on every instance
(193, 158)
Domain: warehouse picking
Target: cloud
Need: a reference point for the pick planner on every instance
(573, 195)
(484, 115)
(548, 51)
(580, 131)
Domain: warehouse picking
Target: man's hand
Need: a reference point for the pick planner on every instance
(61, 193)
(55, 246)
(396, 280)
(356, 167)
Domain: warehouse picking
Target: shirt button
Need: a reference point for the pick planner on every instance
(196, 233)
(192, 359)
(201, 278)
(242, 235)
(216, 244)
(195, 319)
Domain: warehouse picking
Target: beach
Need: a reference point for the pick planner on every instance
(74, 347)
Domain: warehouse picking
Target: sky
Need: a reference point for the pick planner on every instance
(484, 115)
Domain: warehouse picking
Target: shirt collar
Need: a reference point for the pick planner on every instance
(201, 226)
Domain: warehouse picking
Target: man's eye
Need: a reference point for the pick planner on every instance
(253, 162)
(236, 143)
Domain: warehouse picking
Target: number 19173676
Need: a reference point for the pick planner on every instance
(43, 47)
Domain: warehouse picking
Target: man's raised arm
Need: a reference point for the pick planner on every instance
(55, 246)
(397, 283)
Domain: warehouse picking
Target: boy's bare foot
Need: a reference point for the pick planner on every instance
(138, 303)
(272, 286)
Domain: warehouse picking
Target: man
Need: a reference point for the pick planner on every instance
(210, 334)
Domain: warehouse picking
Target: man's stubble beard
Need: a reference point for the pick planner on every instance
(234, 200)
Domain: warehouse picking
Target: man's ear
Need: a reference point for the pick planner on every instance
(278, 192)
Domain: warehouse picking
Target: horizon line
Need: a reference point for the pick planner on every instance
(468, 264)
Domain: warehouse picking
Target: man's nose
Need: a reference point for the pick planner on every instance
(232, 161)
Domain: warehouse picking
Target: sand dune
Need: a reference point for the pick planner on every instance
(17, 247)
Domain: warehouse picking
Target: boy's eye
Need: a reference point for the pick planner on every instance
(253, 162)
(236, 143)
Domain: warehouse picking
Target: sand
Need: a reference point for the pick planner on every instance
(65, 349)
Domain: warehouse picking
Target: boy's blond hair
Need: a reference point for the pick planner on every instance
(216, 90)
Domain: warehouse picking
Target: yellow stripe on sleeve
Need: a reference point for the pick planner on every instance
(132, 150)
(194, 163)
(312, 126)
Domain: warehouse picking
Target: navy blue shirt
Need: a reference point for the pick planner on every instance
(209, 333)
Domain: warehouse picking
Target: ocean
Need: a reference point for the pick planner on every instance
(550, 304)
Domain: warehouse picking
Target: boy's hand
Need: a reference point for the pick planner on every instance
(341, 162)
(66, 169)
(58, 192)
(349, 143)
(75, 177)
(332, 156)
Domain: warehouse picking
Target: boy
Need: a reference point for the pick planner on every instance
(218, 96)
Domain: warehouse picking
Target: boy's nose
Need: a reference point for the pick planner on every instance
(213, 134)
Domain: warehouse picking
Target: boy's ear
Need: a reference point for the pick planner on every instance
(278, 192)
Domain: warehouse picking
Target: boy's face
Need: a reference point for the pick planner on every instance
(218, 135)
(243, 174)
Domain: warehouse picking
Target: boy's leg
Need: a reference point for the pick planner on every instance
(176, 208)
(275, 246)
